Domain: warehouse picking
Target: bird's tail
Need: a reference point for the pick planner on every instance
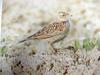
(22, 41)
(30, 37)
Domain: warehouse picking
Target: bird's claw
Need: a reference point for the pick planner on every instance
(55, 50)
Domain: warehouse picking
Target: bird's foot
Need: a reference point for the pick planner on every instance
(56, 50)
(70, 48)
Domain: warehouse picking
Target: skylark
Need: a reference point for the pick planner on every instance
(54, 31)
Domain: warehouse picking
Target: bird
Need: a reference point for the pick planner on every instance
(53, 32)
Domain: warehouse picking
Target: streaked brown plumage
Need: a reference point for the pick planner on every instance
(54, 32)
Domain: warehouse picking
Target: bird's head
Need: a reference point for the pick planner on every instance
(64, 15)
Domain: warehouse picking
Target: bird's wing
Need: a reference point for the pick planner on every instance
(48, 31)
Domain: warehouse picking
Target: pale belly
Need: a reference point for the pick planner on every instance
(55, 38)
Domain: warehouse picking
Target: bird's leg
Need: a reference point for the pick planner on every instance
(55, 49)
(51, 44)
(55, 41)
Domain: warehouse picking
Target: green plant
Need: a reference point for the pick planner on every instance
(2, 50)
(77, 44)
(89, 44)
(98, 42)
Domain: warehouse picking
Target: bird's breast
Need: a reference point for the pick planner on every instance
(63, 26)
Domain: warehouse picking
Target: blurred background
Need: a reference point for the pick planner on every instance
(0, 15)
(21, 18)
